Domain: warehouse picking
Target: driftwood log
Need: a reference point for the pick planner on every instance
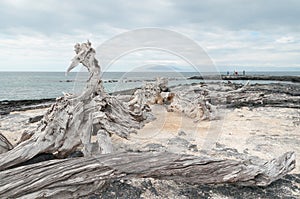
(71, 178)
(233, 95)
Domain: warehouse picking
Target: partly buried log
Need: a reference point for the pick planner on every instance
(76, 177)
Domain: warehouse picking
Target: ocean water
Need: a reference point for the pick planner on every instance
(41, 85)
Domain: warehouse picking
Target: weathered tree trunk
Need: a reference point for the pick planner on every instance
(71, 120)
(70, 178)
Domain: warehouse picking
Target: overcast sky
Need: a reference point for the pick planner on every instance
(245, 34)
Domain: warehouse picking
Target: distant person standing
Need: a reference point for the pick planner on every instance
(227, 73)
(244, 73)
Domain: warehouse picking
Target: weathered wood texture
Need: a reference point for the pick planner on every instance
(82, 176)
(188, 102)
(5, 145)
(193, 105)
(71, 120)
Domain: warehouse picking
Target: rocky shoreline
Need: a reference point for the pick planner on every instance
(7, 106)
(292, 90)
(250, 77)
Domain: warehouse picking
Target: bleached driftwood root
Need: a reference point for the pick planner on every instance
(71, 178)
(72, 120)
(149, 94)
(193, 105)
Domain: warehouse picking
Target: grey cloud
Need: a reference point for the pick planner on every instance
(65, 16)
(247, 14)
(224, 27)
